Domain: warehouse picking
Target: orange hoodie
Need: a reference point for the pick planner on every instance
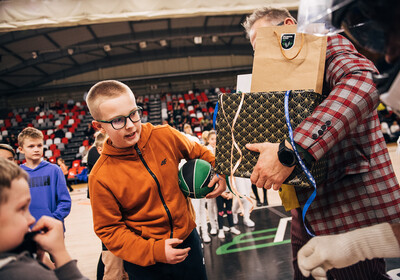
(135, 196)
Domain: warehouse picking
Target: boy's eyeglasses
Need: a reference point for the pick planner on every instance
(119, 122)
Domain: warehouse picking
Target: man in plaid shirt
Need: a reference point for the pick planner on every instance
(361, 188)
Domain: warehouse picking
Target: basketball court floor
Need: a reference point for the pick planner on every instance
(262, 252)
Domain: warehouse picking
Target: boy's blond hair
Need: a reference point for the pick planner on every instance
(273, 15)
(9, 172)
(212, 132)
(204, 136)
(104, 90)
(29, 132)
(100, 138)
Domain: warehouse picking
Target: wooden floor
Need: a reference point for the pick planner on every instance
(221, 262)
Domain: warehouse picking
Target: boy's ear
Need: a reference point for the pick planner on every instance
(21, 149)
(98, 126)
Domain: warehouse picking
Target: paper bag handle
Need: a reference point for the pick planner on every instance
(283, 52)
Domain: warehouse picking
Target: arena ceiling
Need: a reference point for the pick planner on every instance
(31, 57)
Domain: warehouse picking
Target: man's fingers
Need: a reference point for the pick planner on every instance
(255, 147)
(319, 273)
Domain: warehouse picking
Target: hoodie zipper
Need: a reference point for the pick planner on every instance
(159, 189)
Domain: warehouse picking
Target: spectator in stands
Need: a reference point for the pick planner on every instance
(16, 220)
(133, 219)
(48, 188)
(395, 130)
(348, 134)
(59, 133)
(90, 133)
(7, 152)
(64, 169)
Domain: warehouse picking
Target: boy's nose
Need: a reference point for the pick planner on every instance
(31, 219)
(129, 123)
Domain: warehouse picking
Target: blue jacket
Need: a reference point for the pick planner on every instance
(49, 193)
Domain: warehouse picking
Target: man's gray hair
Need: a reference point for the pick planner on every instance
(274, 15)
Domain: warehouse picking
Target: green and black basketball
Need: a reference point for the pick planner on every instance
(194, 177)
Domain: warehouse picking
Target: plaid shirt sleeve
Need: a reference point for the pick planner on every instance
(352, 98)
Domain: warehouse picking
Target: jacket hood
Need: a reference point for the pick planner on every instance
(110, 150)
(41, 165)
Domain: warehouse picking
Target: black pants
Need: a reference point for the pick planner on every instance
(224, 207)
(192, 267)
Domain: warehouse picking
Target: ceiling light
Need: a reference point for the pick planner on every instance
(214, 39)
(163, 43)
(143, 44)
(107, 48)
(34, 55)
(70, 51)
(198, 40)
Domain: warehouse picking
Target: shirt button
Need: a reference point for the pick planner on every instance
(314, 136)
(323, 127)
(320, 132)
(328, 123)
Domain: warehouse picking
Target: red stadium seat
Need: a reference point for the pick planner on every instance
(76, 163)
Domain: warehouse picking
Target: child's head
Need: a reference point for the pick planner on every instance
(99, 141)
(7, 152)
(112, 104)
(15, 218)
(204, 136)
(212, 138)
(60, 161)
(30, 142)
(187, 128)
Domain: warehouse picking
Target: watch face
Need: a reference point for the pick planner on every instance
(286, 157)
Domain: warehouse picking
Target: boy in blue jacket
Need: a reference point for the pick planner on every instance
(50, 196)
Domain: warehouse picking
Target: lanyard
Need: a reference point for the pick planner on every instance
(303, 166)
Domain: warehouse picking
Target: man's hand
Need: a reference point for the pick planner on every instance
(268, 172)
(175, 255)
(220, 186)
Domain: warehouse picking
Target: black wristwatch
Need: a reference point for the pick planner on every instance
(286, 156)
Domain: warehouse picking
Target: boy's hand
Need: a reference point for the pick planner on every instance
(51, 239)
(220, 187)
(173, 255)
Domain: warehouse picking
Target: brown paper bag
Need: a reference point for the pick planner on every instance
(286, 60)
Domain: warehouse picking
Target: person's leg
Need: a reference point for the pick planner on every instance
(221, 212)
(299, 237)
(193, 267)
(265, 202)
(158, 271)
(100, 269)
(203, 221)
(212, 215)
(113, 266)
(255, 191)
(196, 207)
(232, 229)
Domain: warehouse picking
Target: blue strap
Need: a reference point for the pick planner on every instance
(303, 166)
(215, 115)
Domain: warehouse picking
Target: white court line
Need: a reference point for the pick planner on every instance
(280, 232)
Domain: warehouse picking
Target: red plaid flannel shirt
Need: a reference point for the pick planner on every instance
(361, 188)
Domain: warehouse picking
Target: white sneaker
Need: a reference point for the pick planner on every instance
(235, 230)
(235, 219)
(206, 238)
(213, 231)
(225, 228)
(249, 223)
(221, 234)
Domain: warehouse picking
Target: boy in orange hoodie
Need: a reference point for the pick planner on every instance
(139, 212)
